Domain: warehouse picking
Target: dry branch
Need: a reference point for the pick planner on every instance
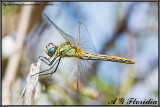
(30, 88)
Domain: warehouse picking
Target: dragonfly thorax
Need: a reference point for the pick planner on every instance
(50, 49)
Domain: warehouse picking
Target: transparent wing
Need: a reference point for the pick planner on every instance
(65, 68)
(84, 42)
(67, 37)
(83, 39)
(85, 71)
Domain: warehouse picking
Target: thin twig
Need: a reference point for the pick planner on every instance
(30, 88)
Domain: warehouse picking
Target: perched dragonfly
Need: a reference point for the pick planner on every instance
(80, 47)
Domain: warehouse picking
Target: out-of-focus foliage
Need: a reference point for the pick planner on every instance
(10, 10)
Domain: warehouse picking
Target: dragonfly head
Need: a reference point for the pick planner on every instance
(50, 49)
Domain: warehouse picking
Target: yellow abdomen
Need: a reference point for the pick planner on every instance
(92, 56)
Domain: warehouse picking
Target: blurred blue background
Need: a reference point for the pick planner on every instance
(124, 29)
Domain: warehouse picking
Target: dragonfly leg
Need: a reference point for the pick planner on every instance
(51, 68)
(44, 58)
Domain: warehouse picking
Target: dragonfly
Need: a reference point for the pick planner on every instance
(80, 47)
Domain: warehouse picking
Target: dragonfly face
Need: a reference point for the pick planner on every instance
(50, 49)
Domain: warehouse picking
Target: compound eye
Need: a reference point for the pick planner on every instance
(50, 44)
